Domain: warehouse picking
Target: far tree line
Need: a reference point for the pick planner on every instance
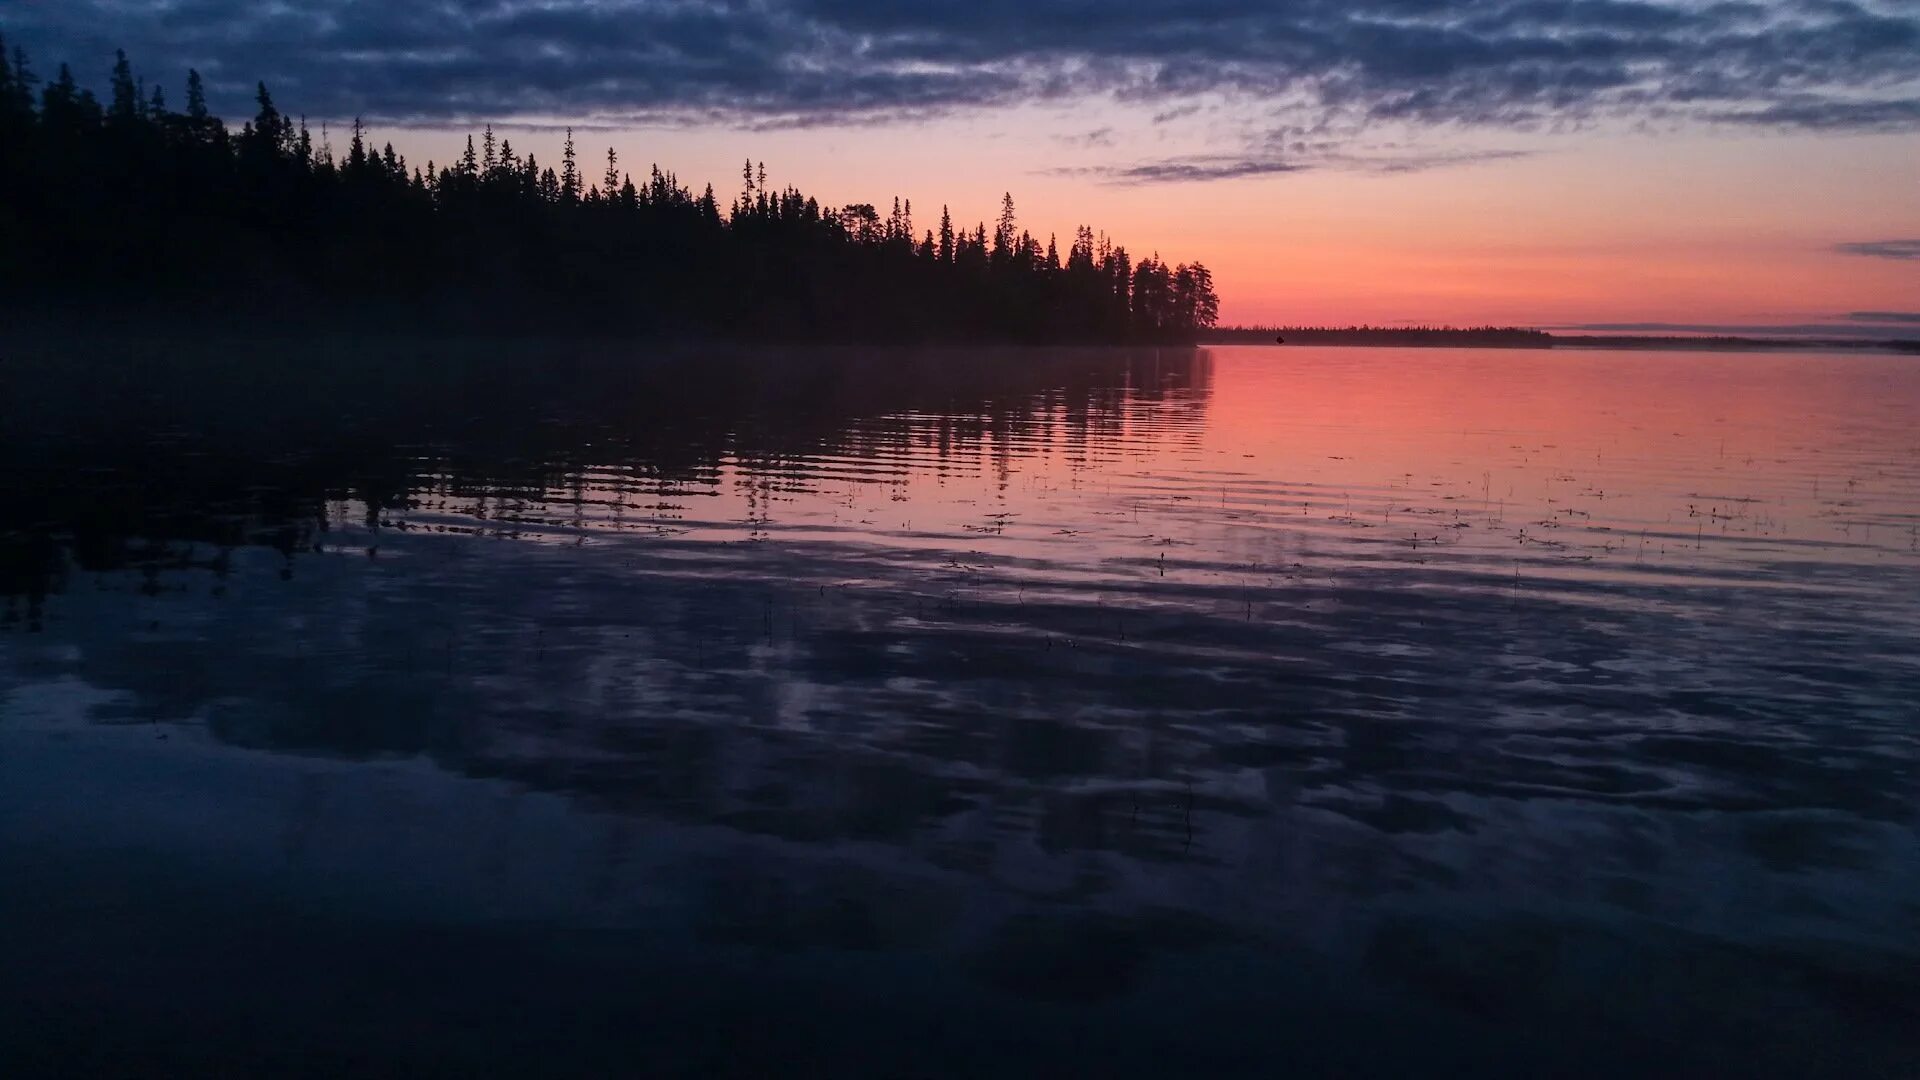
(125, 203)
(1509, 337)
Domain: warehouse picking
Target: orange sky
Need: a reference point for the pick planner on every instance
(1551, 164)
(1589, 227)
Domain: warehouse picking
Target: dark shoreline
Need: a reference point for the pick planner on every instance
(1717, 344)
(43, 332)
(1517, 338)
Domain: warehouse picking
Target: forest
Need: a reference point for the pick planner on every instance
(119, 206)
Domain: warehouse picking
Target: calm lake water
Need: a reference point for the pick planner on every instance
(1233, 711)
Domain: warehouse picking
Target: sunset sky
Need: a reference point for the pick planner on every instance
(1546, 162)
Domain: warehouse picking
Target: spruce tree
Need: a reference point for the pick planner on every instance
(569, 172)
(124, 111)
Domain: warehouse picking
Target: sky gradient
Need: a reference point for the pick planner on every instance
(1546, 162)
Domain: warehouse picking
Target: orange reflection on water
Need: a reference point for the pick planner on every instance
(1464, 467)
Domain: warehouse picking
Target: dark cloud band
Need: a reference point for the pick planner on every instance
(1795, 64)
(1883, 249)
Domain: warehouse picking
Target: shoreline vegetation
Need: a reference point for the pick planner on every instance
(122, 210)
(1515, 337)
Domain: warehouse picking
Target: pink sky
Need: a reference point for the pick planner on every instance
(1678, 161)
(1594, 226)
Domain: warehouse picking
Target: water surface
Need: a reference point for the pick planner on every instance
(1240, 710)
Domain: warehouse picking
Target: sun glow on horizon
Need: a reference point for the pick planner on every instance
(1587, 228)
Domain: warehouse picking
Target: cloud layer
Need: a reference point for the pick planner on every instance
(1323, 154)
(1903, 250)
(1326, 64)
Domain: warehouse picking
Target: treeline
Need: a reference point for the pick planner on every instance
(1514, 337)
(1731, 343)
(1483, 337)
(127, 205)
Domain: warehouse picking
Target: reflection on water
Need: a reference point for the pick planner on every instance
(1160, 712)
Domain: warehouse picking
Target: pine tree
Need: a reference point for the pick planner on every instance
(1206, 305)
(196, 100)
(569, 172)
(1080, 258)
(16, 92)
(124, 111)
(269, 137)
(1003, 232)
(61, 105)
(357, 152)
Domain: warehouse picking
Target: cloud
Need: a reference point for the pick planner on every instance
(1911, 317)
(1776, 64)
(1301, 157)
(1172, 170)
(1421, 162)
(1098, 137)
(1883, 249)
(1813, 114)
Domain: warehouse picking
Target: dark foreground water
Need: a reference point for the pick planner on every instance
(1247, 711)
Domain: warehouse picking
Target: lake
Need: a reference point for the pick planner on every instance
(1236, 711)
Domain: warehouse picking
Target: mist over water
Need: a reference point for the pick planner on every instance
(1137, 712)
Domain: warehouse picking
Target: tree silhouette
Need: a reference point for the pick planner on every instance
(124, 111)
(569, 172)
(133, 206)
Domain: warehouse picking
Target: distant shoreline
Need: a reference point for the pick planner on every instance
(1736, 344)
(47, 330)
(1502, 337)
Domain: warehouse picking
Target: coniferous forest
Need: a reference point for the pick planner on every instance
(126, 204)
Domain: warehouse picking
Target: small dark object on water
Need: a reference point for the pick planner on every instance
(1279, 341)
